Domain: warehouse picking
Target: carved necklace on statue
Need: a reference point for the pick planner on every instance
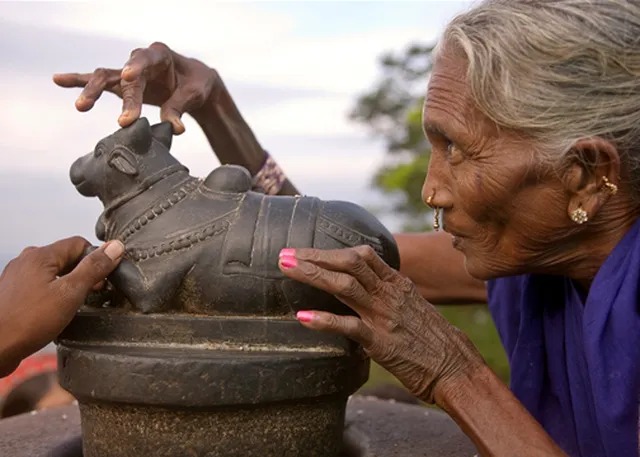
(103, 229)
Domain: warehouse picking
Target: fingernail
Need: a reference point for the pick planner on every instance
(288, 262)
(304, 316)
(114, 249)
(288, 252)
(126, 69)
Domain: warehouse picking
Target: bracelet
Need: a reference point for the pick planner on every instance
(270, 178)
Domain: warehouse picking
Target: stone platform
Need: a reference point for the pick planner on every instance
(374, 428)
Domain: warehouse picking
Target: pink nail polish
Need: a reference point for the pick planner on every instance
(304, 316)
(288, 262)
(288, 252)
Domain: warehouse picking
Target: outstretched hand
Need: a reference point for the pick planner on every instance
(155, 75)
(395, 326)
(42, 288)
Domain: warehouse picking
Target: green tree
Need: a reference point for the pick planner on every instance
(392, 110)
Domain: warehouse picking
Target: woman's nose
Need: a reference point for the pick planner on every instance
(435, 190)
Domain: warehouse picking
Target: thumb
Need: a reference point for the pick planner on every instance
(95, 267)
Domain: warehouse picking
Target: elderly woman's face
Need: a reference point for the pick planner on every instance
(502, 209)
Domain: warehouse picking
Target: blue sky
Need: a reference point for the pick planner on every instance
(294, 68)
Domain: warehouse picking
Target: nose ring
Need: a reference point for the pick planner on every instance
(436, 211)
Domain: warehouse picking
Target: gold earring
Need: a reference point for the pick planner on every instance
(579, 215)
(611, 187)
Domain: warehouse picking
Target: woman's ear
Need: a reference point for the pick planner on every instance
(592, 168)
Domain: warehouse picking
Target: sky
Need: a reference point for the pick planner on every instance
(294, 68)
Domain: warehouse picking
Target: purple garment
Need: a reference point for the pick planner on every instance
(575, 360)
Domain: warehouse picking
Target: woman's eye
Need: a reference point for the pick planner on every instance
(98, 151)
(453, 153)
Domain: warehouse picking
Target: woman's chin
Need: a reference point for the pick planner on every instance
(478, 270)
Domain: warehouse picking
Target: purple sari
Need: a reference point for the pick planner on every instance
(575, 359)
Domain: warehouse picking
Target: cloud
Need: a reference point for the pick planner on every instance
(242, 40)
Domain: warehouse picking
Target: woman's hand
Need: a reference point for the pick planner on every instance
(41, 290)
(396, 326)
(155, 75)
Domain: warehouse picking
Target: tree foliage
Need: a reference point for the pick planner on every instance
(392, 110)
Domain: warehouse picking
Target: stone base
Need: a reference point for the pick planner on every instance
(179, 385)
(305, 428)
(374, 428)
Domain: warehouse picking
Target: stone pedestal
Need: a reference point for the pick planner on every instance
(180, 385)
(374, 428)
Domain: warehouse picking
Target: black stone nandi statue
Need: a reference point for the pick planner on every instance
(209, 246)
(199, 353)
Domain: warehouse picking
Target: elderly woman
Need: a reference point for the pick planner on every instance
(533, 114)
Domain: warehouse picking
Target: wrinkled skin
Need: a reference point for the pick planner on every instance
(396, 326)
(42, 288)
(155, 75)
(509, 213)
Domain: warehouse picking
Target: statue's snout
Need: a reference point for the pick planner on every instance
(75, 173)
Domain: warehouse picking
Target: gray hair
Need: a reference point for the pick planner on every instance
(557, 70)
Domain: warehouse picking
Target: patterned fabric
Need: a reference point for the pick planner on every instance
(270, 178)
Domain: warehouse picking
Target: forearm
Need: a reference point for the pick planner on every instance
(437, 269)
(497, 423)
(230, 136)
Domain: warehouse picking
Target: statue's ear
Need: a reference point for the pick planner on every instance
(163, 132)
(124, 161)
(138, 136)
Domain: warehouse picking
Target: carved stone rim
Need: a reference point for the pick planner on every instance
(201, 379)
(190, 361)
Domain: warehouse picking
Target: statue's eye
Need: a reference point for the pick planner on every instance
(99, 150)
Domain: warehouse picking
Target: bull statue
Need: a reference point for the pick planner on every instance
(209, 246)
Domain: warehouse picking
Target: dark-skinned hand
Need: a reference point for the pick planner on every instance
(396, 327)
(41, 290)
(156, 76)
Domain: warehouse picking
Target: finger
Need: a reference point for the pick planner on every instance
(94, 268)
(95, 86)
(132, 98)
(347, 260)
(350, 326)
(375, 262)
(155, 58)
(72, 79)
(344, 286)
(183, 100)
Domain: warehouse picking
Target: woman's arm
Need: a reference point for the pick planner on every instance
(230, 137)
(489, 414)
